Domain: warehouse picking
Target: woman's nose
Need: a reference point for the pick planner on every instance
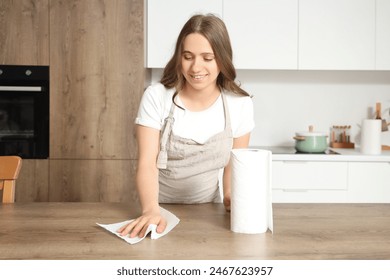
(196, 64)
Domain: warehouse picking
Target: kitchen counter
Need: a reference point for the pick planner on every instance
(301, 231)
(351, 155)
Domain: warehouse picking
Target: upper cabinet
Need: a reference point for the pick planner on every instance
(24, 35)
(283, 34)
(96, 73)
(337, 34)
(264, 33)
(383, 34)
(164, 22)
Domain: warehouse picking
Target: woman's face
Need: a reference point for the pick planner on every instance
(198, 63)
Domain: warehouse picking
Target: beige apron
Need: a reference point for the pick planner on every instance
(189, 170)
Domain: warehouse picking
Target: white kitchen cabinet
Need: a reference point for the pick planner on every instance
(383, 34)
(369, 182)
(165, 18)
(307, 181)
(295, 181)
(282, 34)
(308, 175)
(264, 33)
(337, 34)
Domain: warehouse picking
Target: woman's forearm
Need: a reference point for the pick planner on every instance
(147, 186)
(227, 180)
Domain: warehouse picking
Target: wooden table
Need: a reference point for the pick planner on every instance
(301, 231)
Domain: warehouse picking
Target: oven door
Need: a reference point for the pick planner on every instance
(24, 118)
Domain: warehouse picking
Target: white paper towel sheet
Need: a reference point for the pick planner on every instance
(172, 221)
(251, 202)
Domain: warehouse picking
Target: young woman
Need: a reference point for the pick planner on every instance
(188, 124)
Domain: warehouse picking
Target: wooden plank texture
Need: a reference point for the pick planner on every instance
(301, 232)
(24, 32)
(97, 77)
(92, 180)
(33, 182)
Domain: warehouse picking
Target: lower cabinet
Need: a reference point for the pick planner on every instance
(32, 184)
(369, 182)
(330, 182)
(83, 180)
(306, 181)
(92, 180)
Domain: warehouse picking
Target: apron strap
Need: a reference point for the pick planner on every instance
(226, 110)
(162, 158)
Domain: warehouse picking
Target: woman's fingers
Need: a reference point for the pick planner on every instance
(139, 226)
(161, 226)
(126, 229)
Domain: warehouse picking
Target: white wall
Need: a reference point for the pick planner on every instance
(289, 101)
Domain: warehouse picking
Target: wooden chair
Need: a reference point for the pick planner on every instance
(9, 171)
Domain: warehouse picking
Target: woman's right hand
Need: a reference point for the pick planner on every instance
(148, 140)
(139, 226)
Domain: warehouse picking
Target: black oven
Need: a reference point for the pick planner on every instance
(24, 111)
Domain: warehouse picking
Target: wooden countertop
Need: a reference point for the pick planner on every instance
(301, 231)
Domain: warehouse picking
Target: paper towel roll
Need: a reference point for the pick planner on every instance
(371, 137)
(251, 204)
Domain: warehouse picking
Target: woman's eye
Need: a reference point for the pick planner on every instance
(187, 57)
(208, 58)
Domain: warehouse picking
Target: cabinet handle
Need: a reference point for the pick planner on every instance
(295, 162)
(295, 190)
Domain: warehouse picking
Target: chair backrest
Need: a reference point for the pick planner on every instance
(9, 172)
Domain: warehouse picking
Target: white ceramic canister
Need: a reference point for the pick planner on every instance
(371, 137)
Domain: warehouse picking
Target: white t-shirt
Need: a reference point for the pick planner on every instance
(198, 126)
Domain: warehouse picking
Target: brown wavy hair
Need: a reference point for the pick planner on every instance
(214, 30)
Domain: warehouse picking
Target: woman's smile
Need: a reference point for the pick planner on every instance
(198, 77)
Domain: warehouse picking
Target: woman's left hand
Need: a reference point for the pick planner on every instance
(226, 202)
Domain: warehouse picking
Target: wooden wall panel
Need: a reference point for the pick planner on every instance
(33, 182)
(93, 180)
(24, 32)
(97, 77)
